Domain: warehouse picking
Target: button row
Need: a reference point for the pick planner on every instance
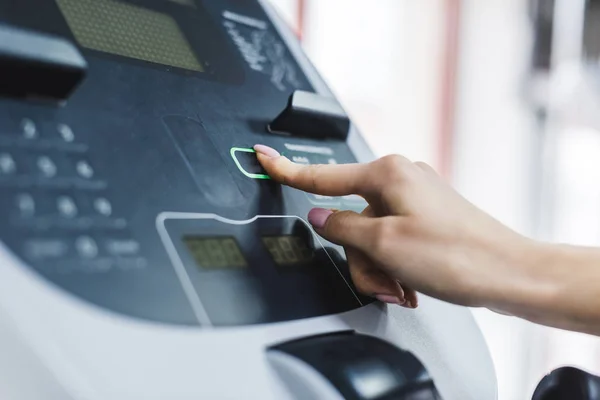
(85, 254)
(84, 247)
(64, 205)
(30, 130)
(44, 166)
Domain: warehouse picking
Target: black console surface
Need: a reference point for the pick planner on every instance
(138, 191)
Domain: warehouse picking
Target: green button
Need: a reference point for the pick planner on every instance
(247, 163)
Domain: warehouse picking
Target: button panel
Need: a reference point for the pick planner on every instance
(53, 194)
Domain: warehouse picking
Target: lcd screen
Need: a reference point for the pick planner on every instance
(215, 252)
(288, 250)
(123, 29)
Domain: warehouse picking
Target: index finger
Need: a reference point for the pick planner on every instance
(323, 179)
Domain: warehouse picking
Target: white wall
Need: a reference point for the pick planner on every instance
(382, 58)
(496, 153)
(492, 154)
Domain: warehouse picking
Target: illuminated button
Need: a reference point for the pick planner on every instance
(66, 207)
(46, 166)
(29, 129)
(7, 164)
(84, 169)
(247, 163)
(25, 204)
(86, 247)
(66, 133)
(103, 206)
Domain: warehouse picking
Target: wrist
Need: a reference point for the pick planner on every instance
(527, 283)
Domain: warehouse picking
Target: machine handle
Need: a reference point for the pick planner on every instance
(35, 64)
(362, 367)
(312, 115)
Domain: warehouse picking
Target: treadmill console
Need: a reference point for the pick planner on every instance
(126, 171)
(145, 253)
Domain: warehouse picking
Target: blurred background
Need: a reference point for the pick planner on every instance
(502, 97)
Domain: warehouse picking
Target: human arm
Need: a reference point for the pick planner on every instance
(420, 235)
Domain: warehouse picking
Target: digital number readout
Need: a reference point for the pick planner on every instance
(288, 250)
(215, 252)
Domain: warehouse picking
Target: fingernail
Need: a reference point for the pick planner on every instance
(318, 217)
(266, 150)
(386, 298)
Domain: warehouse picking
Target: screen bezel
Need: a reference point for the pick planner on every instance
(264, 292)
(203, 30)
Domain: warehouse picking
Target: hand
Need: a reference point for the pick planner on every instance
(417, 233)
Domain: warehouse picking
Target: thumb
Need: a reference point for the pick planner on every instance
(345, 228)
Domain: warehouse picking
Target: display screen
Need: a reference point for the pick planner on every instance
(288, 250)
(215, 252)
(123, 29)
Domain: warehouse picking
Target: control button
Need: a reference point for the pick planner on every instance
(301, 160)
(86, 247)
(46, 166)
(247, 163)
(29, 129)
(125, 247)
(66, 207)
(45, 248)
(7, 164)
(84, 169)
(103, 206)
(25, 204)
(66, 133)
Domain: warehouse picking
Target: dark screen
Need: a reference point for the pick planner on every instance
(288, 249)
(215, 252)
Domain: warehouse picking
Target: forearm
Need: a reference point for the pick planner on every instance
(559, 286)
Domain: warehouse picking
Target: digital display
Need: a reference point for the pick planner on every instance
(215, 252)
(123, 29)
(288, 250)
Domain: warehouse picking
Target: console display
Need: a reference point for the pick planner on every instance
(126, 30)
(215, 252)
(288, 250)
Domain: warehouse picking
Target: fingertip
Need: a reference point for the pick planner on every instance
(266, 151)
(318, 217)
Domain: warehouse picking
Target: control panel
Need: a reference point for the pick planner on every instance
(127, 175)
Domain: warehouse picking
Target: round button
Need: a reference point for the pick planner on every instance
(86, 247)
(66, 133)
(29, 129)
(66, 207)
(103, 206)
(84, 169)
(25, 204)
(7, 164)
(46, 166)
